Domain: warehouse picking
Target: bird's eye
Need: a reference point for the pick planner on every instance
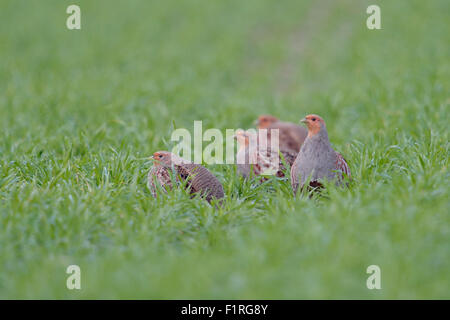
(160, 156)
(313, 119)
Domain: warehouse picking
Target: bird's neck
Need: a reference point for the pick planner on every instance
(320, 136)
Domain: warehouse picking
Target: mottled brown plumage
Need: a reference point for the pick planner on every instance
(289, 156)
(159, 175)
(291, 135)
(255, 154)
(317, 160)
(199, 180)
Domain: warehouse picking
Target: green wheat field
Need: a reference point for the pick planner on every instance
(80, 110)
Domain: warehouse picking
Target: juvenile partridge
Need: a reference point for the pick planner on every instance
(317, 160)
(291, 135)
(199, 180)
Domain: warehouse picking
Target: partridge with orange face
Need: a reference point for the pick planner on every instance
(199, 180)
(317, 160)
(291, 135)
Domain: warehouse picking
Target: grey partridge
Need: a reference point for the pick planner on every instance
(317, 160)
(199, 180)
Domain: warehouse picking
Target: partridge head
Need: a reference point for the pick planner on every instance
(264, 121)
(290, 135)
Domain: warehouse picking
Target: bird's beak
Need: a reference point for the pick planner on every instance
(304, 120)
(153, 158)
(256, 122)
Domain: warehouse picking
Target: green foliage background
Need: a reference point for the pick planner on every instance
(80, 110)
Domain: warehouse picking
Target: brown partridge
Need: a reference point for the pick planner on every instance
(291, 135)
(199, 180)
(317, 160)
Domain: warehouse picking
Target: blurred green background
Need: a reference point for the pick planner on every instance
(80, 109)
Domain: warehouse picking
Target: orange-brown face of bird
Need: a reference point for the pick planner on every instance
(265, 121)
(314, 123)
(162, 158)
